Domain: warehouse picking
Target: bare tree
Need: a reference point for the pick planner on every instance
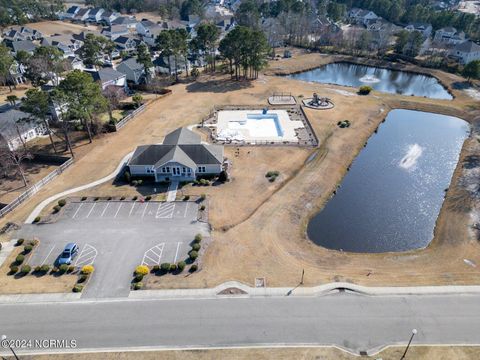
(14, 158)
(114, 95)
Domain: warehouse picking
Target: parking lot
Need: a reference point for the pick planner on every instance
(115, 237)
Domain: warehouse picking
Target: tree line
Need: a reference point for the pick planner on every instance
(19, 12)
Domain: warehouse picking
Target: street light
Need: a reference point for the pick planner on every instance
(414, 332)
(4, 337)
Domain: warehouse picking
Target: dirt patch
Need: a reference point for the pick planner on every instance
(32, 284)
(62, 27)
(232, 291)
(394, 353)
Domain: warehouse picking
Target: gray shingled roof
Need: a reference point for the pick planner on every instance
(9, 118)
(25, 45)
(468, 47)
(182, 136)
(182, 146)
(106, 74)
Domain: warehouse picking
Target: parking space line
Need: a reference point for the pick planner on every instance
(176, 253)
(186, 208)
(78, 209)
(146, 206)
(91, 210)
(103, 212)
(87, 256)
(165, 210)
(155, 257)
(118, 210)
(130, 213)
(46, 257)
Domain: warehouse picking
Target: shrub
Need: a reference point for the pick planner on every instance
(84, 198)
(19, 242)
(138, 278)
(71, 269)
(19, 259)
(134, 198)
(204, 182)
(27, 249)
(165, 267)
(203, 197)
(78, 288)
(196, 246)
(61, 202)
(148, 198)
(137, 286)
(96, 199)
(272, 174)
(140, 182)
(365, 90)
(37, 219)
(272, 179)
(195, 73)
(223, 177)
(63, 268)
(25, 269)
(198, 238)
(38, 269)
(202, 207)
(45, 268)
(173, 267)
(109, 198)
(87, 269)
(193, 254)
(141, 270)
(122, 198)
(134, 182)
(82, 279)
(156, 268)
(56, 209)
(127, 176)
(33, 242)
(193, 268)
(13, 269)
(54, 270)
(137, 100)
(186, 197)
(181, 265)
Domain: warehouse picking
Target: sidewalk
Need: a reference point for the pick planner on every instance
(172, 191)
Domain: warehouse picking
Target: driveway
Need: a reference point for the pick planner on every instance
(115, 237)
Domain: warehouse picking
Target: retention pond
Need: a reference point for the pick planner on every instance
(390, 81)
(392, 195)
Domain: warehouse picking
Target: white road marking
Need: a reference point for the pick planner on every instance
(91, 210)
(176, 253)
(103, 212)
(76, 212)
(146, 206)
(154, 254)
(44, 260)
(186, 208)
(165, 210)
(118, 210)
(130, 213)
(87, 256)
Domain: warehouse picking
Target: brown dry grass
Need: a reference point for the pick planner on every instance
(32, 284)
(271, 241)
(393, 353)
(61, 27)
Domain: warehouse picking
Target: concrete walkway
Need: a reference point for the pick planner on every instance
(172, 191)
(47, 201)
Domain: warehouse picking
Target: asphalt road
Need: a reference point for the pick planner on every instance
(350, 321)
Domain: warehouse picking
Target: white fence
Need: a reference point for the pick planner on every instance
(35, 188)
(129, 117)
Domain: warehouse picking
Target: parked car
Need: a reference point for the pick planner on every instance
(68, 254)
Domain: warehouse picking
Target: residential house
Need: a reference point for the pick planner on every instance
(361, 16)
(129, 21)
(22, 33)
(423, 28)
(82, 14)
(152, 35)
(449, 36)
(109, 16)
(466, 52)
(70, 13)
(95, 14)
(163, 64)
(18, 127)
(134, 71)
(114, 31)
(67, 44)
(17, 73)
(144, 26)
(22, 45)
(126, 43)
(110, 77)
(75, 62)
(181, 157)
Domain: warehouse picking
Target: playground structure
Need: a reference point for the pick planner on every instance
(320, 103)
(282, 99)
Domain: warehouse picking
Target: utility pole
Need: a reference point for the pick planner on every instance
(414, 332)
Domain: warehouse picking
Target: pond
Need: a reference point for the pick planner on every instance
(390, 81)
(392, 195)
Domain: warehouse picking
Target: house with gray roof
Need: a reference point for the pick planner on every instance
(17, 127)
(182, 157)
(128, 21)
(70, 13)
(134, 71)
(109, 16)
(109, 77)
(466, 52)
(95, 14)
(114, 31)
(22, 45)
(82, 14)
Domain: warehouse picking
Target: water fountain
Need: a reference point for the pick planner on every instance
(316, 102)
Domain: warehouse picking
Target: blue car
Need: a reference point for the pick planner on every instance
(68, 254)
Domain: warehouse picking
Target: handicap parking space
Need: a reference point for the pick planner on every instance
(115, 237)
